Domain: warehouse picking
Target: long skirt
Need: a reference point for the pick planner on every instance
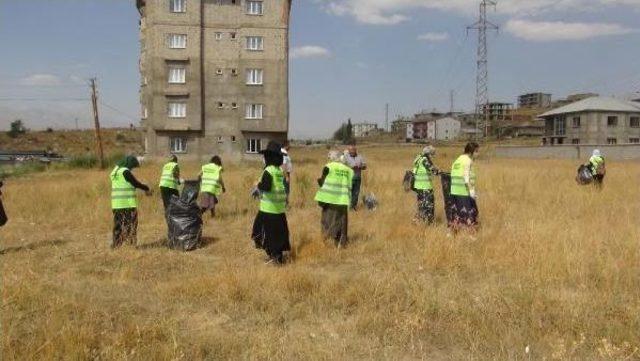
(335, 223)
(271, 233)
(464, 211)
(426, 206)
(125, 227)
(208, 202)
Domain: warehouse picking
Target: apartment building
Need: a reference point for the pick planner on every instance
(214, 76)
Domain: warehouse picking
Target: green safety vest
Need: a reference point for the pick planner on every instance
(166, 179)
(336, 188)
(458, 187)
(123, 193)
(210, 182)
(596, 162)
(421, 174)
(275, 200)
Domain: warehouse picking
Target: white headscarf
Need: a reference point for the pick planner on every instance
(334, 156)
(596, 153)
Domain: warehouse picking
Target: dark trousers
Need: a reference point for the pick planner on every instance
(355, 192)
(3, 215)
(125, 227)
(598, 180)
(426, 206)
(166, 194)
(335, 223)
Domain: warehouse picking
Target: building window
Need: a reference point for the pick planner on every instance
(253, 145)
(255, 43)
(254, 111)
(177, 41)
(218, 36)
(220, 139)
(145, 112)
(177, 74)
(219, 71)
(254, 76)
(178, 6)
(178, 145)
(254, 7)
(612, 141)
(558, 126)
(575, 122)
(233, 138)
(575, 141)
(634, 122)
(177, 109)
(634, 140)
(220, 105)
(234, 72)
(234, 105)
(233, 36)
(612, 121)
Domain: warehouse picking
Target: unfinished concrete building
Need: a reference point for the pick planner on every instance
(534, 100)
(214, 76)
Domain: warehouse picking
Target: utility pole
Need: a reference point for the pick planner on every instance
(386, 118)
(94, 103)
(482, 76)
(451, 95)
(77, 124)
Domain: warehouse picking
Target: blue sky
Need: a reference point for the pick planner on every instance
(351, 57)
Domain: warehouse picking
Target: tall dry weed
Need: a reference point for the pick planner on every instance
(554, 268)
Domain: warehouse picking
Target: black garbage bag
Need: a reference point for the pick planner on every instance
(184, 219)
(445, 179)
(584, 176)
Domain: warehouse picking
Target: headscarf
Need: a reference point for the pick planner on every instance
(596, 153)
(334, 156)
(129, 162)
(173, 158)
(428, 150)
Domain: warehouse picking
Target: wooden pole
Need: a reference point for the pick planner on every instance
(96, 119)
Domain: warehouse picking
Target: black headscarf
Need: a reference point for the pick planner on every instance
(129, 162)
(274, 159)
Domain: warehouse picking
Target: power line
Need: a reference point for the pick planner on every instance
(119, 111)
(43, 99)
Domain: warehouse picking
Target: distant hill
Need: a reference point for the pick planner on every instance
(75, 142)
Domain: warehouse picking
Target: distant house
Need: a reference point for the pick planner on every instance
(426, 128)
(447, 128)
(362, 130)
(595, 120)
(400, 125)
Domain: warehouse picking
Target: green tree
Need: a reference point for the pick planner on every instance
(16, 128)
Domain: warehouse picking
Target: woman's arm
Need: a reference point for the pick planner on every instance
(266, 182)
(325, 173)
(128, 176)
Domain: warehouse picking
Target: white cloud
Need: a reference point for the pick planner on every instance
(558, 30)
(41, 80)
(391, 12)
(76, 80)
(434, 37)
(310, 51)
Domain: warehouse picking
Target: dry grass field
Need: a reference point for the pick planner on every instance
(555, 268)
